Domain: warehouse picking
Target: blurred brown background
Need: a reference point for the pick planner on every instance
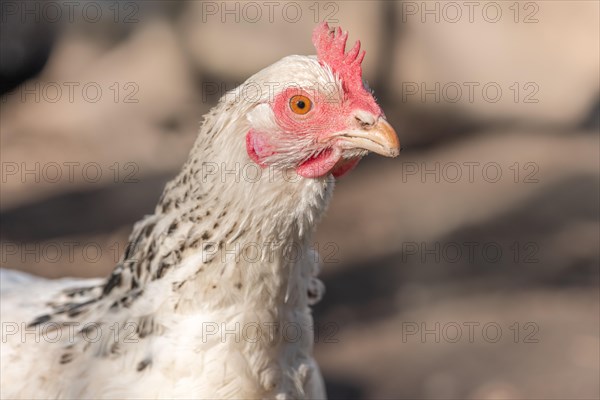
(465, 268)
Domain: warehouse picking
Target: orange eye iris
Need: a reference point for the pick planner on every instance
(300, 104)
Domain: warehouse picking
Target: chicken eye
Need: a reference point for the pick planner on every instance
(300, 104)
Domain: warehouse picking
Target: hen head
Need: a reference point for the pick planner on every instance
(318, 118)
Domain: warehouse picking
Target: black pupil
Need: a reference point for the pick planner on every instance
(300, 104)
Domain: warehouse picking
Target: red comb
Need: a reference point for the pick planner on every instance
(331, 50)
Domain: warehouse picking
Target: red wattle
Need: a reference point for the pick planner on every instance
(320, 165)
(344, 166)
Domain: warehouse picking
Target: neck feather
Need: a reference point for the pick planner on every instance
(224, 227)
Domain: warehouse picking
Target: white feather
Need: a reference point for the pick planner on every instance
(157, 321)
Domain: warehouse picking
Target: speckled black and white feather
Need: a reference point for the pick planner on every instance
(187, 268)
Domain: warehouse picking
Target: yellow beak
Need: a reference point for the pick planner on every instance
(379, 138)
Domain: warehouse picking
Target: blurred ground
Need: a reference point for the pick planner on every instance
(466, 268)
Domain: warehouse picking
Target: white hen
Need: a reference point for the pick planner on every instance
(212, 299)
